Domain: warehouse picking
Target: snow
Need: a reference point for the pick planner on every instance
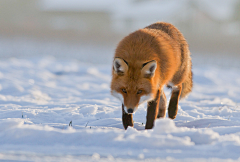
(39, 98)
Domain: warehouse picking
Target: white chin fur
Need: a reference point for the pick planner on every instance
(146, 98)
(125, 108)
(118, 96)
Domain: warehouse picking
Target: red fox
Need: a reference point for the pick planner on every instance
(144, 62)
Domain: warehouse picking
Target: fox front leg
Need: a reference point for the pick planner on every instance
(127, 119)
(173, 104)
(152, 111)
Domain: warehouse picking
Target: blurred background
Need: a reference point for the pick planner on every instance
(89, 30)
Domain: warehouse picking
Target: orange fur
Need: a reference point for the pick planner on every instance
(161, 43)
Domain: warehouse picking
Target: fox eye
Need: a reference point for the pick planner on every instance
(124, 90)
(139, 91)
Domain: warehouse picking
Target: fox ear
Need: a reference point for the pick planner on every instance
(120, 66)
(149, 69)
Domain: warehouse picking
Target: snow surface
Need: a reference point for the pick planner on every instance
(40, 98)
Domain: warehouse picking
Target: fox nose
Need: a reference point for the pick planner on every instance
(130, 110)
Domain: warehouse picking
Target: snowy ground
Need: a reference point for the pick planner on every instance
(40, 97)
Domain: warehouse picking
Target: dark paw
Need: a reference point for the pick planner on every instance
(125, 125)
(172, 115)
(172, 112)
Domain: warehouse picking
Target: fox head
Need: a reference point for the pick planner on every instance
(133, 82)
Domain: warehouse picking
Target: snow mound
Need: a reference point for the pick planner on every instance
(164, 125)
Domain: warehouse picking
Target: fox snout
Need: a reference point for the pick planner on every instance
(130, 110)
(131, 102)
